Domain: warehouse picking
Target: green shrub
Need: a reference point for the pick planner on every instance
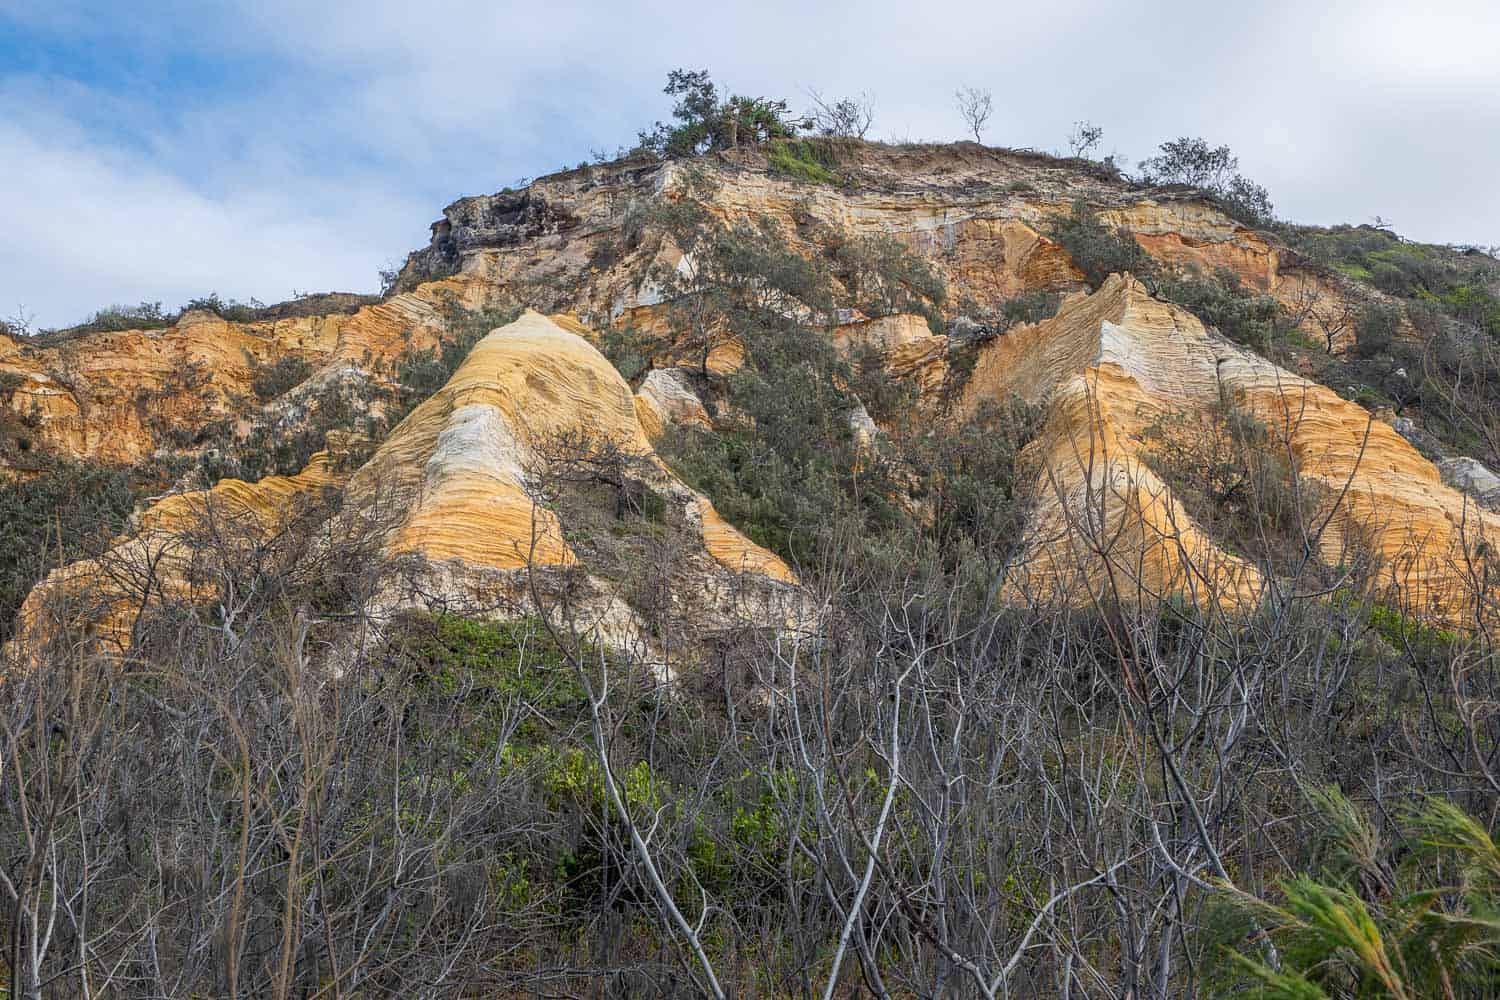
(287, 373)
(499, 668)
(1374, 329)
(1222, 302)
(706, 122)
(1097, 250)
(1029, 307)
(66, 511)
(230, 309)
(804, 160)
(145, 316)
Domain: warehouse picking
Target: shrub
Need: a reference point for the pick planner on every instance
(145, 316)
(287, 373)
(1412, 917)
(881, 276)
(66, 511)
(804, 160)
(493, 665)
(705, 122)
(1374, 329)
(230, 309)
(1223, 303)
(1030, 307)
(1097, 250)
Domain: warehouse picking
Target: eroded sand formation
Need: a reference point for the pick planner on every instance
(453, 484)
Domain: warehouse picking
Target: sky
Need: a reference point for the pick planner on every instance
(159, 151)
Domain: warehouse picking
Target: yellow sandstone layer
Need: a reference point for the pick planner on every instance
(1110, 364)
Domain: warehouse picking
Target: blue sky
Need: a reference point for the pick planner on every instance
(163, 150)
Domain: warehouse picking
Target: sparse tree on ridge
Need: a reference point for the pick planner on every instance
(1191, 161)
(847, 117)
(706, 122)
(975, 106)
(1084, 138)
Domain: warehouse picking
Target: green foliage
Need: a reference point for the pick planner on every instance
(1374, 329)
(1418, 922)
(1461, 281)
(1097, 250)
(65, 512)
(1220, 301)
(972, 482)
(880, 275)
(503, 671)
(1029, 307)
(1215, 170)
(804, 160)
(884, 396)
(1407, 632)
(145, 316)
(705, 122)
(230, 309)
(287, 373)
(631, 351)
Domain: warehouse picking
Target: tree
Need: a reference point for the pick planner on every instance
(1084, 138)
(1374, 329)
(706, 122)
(975, 107)
(847, 117)
(1191, 161)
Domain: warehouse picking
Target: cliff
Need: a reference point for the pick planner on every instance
(459, 486)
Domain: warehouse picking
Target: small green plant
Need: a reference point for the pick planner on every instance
(1374, 921)
(805, 160)
(1374, 329)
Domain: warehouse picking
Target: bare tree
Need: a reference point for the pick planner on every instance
(1084, 138)
(846, 117)
(975, 107)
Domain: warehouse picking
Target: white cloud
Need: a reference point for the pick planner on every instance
(324, 136)
(86, 227)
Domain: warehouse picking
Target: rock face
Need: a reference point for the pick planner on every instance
(457, 473)
(1107, 527)
(1472, 477)
(122, 397)
(454, 487)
